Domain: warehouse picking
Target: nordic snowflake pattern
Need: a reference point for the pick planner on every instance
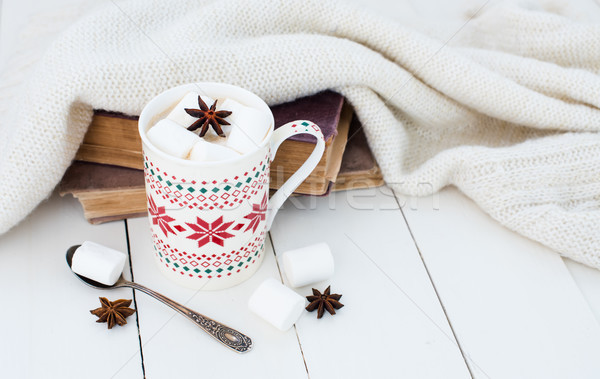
(257, 215)
(159, 217)
(205, 232)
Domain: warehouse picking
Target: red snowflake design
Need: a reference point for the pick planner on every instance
(257, 215)
(215, 232)
(159, 217)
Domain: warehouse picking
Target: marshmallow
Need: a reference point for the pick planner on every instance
(172, 139)
(208, 152)
(249, 126)
(277, 304)
(216, 139)
(99, 263)
(190, 100)
(308, 265)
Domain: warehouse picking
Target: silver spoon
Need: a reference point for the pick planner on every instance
(229, 337)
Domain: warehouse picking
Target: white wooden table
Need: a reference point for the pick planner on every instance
(432, 293)
(433, 288)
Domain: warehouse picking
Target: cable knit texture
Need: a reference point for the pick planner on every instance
(507, 109)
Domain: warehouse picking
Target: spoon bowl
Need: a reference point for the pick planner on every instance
(229, 337)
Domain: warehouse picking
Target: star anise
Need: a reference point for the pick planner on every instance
(324, 301)
(113, 312)
(208, 116)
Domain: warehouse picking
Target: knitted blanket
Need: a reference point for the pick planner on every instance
(505, 105)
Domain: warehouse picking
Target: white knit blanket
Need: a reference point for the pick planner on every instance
(507, 109)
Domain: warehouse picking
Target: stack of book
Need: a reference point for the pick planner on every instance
(107, 176)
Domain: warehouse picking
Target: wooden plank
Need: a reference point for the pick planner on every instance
(48, 331)
(513, 305)
(175, 347)
(588, 281)
(392, 324)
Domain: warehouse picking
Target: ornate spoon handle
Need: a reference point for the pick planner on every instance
(229, 337)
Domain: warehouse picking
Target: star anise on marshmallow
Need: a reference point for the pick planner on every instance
(208, 117)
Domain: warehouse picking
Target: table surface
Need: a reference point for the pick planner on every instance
(432, 287)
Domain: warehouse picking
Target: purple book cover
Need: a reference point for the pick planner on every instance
(86, 176)
(323, 108)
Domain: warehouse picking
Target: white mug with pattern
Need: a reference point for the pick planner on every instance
(209, 220)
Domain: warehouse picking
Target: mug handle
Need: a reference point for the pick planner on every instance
(281, 134)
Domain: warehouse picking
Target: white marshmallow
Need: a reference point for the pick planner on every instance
(190, 100)
(249, 126)
(99, 263)
(172, 139)
(226, 128)
(277, 304)
(216, 140)
(209, 152)
(308, 265)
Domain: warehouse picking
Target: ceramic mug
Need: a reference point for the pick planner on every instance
(209, 220)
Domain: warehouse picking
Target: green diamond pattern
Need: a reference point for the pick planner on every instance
(226, 189)
(208, 270)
